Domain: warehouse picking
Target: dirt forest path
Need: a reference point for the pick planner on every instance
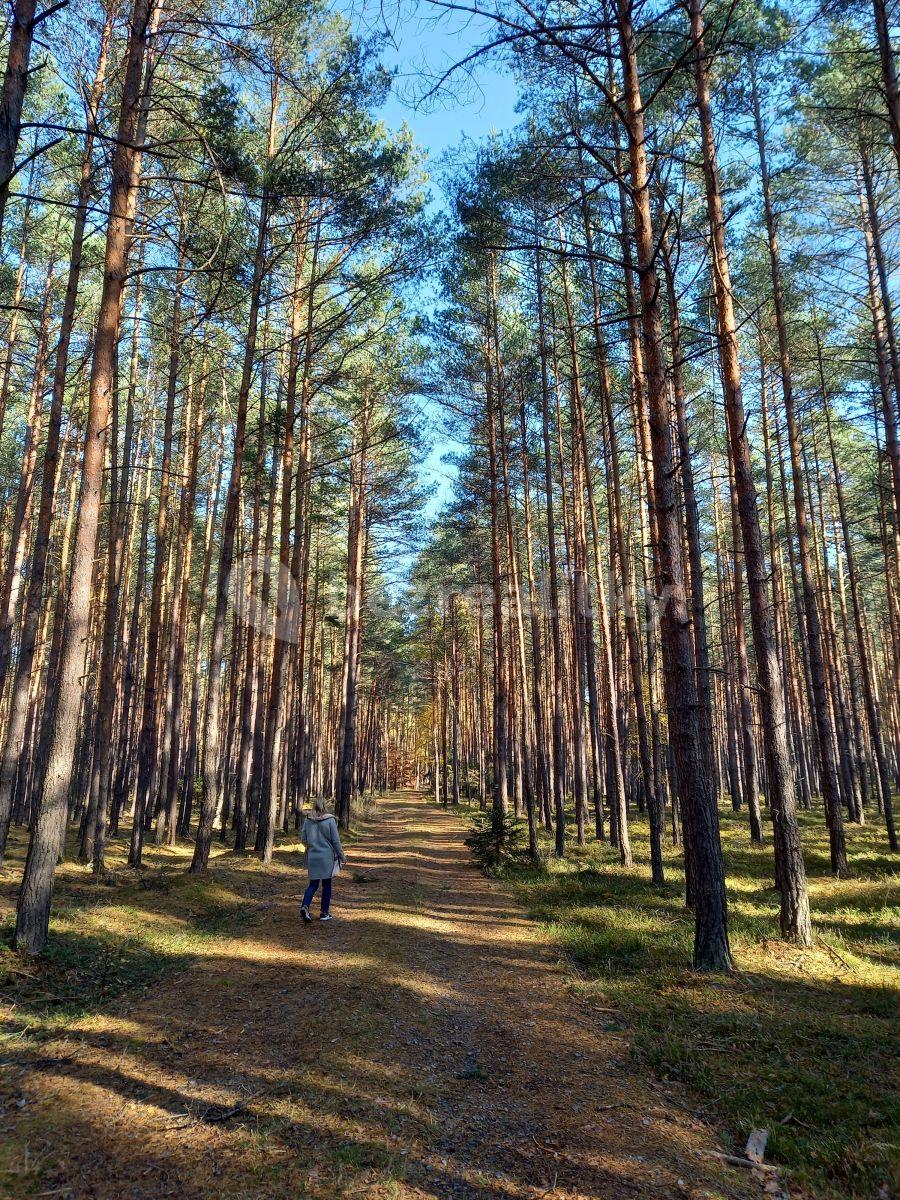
(424, 1044)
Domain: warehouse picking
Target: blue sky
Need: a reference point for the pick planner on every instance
(423, 43)
(468, 105)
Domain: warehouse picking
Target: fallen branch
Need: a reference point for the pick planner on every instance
(735, 1160)
(185, 1119)
(233, 1112)
(546, 1149)
(834, 954)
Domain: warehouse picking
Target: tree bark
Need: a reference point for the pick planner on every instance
(12, 97)
(33, 912)
(711, 948)
(501, 679)
(795, 919)
(873, 716)
(18, 707)
(212, 775)
(888, 73)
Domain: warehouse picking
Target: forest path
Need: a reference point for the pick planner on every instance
(423, 1044)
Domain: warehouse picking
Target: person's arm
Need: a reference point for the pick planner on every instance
(336, 843)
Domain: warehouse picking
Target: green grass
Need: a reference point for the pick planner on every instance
(804, 1044)
(125, 934)
(78, 974)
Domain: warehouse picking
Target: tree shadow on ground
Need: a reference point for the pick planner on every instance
(422, 1045)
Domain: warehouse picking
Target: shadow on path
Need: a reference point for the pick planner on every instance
(423, 1044)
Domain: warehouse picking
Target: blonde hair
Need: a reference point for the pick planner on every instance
(319, 807)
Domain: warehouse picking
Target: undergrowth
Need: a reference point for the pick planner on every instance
(804, 1044)
(124, 934)
(497, 843)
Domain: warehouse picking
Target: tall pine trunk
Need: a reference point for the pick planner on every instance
(790, 869)
(44, 848)
(711, 949)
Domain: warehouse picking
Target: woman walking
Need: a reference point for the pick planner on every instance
(324, 857)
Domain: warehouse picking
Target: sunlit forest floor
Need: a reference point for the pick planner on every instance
(806, 1045)
(191, 1038)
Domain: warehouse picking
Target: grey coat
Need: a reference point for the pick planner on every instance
(323, 846)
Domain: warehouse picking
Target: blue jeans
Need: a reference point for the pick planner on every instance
(311, 891)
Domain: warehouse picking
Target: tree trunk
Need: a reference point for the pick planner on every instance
(33, 913)
(711, 949)
(212, 776)
(795, 920)
(356, 543)
(748, 737)
(692, 525)
(888, 73)
(501, 681)
(286, 617)
(873, 716)
(12, 97)
(618, 807)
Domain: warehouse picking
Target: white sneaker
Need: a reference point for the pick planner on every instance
(305, 914)
(326, 917)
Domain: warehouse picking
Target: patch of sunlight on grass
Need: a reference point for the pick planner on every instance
(124, 934)
(116, 937)
(803, 1043)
